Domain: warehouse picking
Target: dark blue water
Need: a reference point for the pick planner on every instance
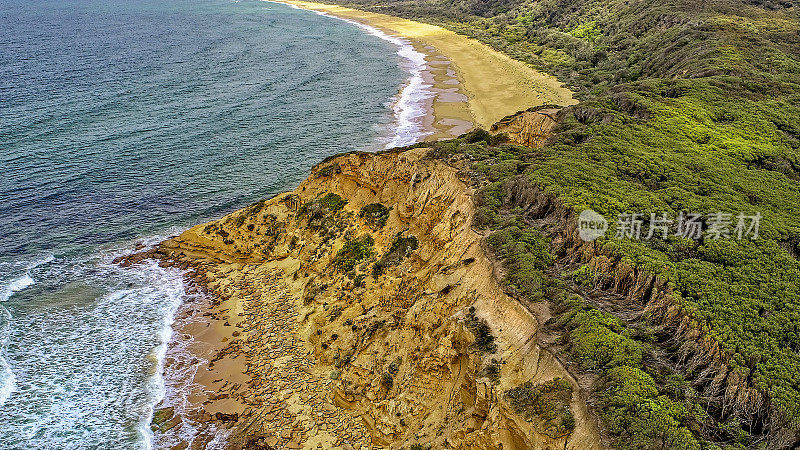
(124, 117)
(121, 120)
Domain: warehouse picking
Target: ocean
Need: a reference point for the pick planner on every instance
(123, 122)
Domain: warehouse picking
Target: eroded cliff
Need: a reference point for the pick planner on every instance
(367, 314)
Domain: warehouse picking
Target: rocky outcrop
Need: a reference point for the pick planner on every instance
(368, 314)
(530, 128)
(377, 329)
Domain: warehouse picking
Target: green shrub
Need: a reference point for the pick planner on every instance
(547, 403)
(332, 202)
(323, 214)
(586, 30)
(525, 254)
(639, 417)
(400, 249)
(492, 370)
(582, 275)
(353, 252)
(599, 347)
(329, 170)
(488, 200)
(387, 380)
(358, 280)
(375, 215)
(394, 367)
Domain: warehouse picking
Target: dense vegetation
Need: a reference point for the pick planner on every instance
(636, 409)
(353, 252)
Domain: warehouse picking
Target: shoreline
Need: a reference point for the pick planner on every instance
(237, 332)
(193, 409)
(412, 106)
(471, 82)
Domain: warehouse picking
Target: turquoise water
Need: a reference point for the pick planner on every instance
(126, 121)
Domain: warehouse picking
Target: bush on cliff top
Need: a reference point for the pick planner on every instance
(526, 255)
(708, 279)
(546, 404)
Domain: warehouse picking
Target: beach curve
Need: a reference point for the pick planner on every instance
(495, 85)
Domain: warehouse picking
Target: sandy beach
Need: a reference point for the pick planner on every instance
(474, 85)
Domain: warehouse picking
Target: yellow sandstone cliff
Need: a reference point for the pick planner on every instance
(373, 323)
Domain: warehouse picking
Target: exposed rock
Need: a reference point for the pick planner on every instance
(401, 341)
(530, 128)
(225, 418)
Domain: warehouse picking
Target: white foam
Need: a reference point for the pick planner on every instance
(24, 281)
(409, 104)
(129, 326)
(180, 381)
(7, 378)
(7, 383)
(169, 283)
(16, 285)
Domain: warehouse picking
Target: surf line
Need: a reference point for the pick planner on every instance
(409, 108)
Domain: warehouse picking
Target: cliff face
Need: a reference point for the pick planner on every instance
(367, 313)
(530, 128)
(361, 309)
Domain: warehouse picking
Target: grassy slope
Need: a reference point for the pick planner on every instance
(684, 107)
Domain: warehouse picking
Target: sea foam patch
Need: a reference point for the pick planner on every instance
(21, 281)
(181, 366)
(18, 283)
(87, 352)
(7, 378)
